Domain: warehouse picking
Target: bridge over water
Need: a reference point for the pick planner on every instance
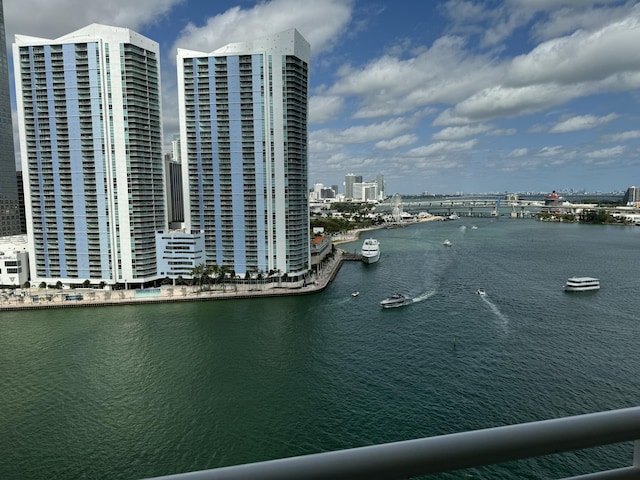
(469, 206)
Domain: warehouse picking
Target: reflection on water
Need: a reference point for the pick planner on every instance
(137, 391)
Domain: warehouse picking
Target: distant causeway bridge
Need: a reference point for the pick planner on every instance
(509, 205)
(470, 207)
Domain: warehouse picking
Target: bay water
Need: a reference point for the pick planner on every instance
(131, 392)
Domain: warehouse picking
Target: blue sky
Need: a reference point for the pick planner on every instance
(438, 96)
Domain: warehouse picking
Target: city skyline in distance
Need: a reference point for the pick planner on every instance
(447, 96)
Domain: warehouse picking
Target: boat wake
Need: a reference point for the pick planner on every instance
(504, 321)
(424, 296)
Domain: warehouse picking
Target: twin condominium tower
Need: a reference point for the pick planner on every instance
(90, 124)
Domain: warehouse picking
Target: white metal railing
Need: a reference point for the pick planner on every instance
(456, 451)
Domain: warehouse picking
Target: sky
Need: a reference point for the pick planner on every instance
(451, 96)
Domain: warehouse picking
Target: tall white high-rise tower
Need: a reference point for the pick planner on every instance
(89, 114)
(243, 129)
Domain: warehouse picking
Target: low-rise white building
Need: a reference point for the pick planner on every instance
(178, 252)
(14, 261)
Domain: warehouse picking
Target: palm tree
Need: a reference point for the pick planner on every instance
(213, 271)
(222, 275)
(196, 273)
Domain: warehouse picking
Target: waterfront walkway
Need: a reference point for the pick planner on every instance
(40, 298)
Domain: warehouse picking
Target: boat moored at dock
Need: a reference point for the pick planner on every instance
(370, 250)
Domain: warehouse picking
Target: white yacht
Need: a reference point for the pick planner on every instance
(396, 300)
(370, 250)
(581, 284)
(447, 243)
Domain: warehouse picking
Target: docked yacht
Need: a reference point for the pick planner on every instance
(370, 250)
(581, 284)
(396, 300)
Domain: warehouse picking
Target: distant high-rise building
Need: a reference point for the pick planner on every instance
(173, 188)
(631, 196)
(89, 115)
(381, 187)
(175, 148)
(9, 204)
(243, 131)
(349, 180)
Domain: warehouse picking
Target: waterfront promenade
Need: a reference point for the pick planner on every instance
(40, 298)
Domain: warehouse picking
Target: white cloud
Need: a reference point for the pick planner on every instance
(550, 151)
(442, 147)
(456, 133)
(570, 16)
(324, 108)
(321, 23)
(502, 131)
(582, 56)
(498, 101)
(52, 19)
(582, 122)
(518, 152)
(623, 136)
(606, 153)
(444, 73)
(363, 133)
(397, 142)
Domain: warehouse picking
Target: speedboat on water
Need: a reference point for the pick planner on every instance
(447, 243)
(397, 300)
(581, 284)
(481, 292)
(370, 250)
(355, 294)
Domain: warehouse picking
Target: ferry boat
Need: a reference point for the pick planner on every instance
(396, 300)
(581, 284)
(370, 250)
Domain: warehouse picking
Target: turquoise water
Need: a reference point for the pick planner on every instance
(137, 391)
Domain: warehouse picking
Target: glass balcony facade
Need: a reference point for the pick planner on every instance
(90, 128)
(244, 151)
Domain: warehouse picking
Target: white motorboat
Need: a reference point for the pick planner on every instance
(370, 251)
(355, 294)
(396, 300)
(447, 243)
(582, 284)
(481, 292)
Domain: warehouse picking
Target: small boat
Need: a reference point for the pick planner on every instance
(474, 228)
(447, 243)
(355, 294)
(481, 292)
(397, 300)
(582, 284)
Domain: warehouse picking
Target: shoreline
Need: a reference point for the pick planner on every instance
(41, 298)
